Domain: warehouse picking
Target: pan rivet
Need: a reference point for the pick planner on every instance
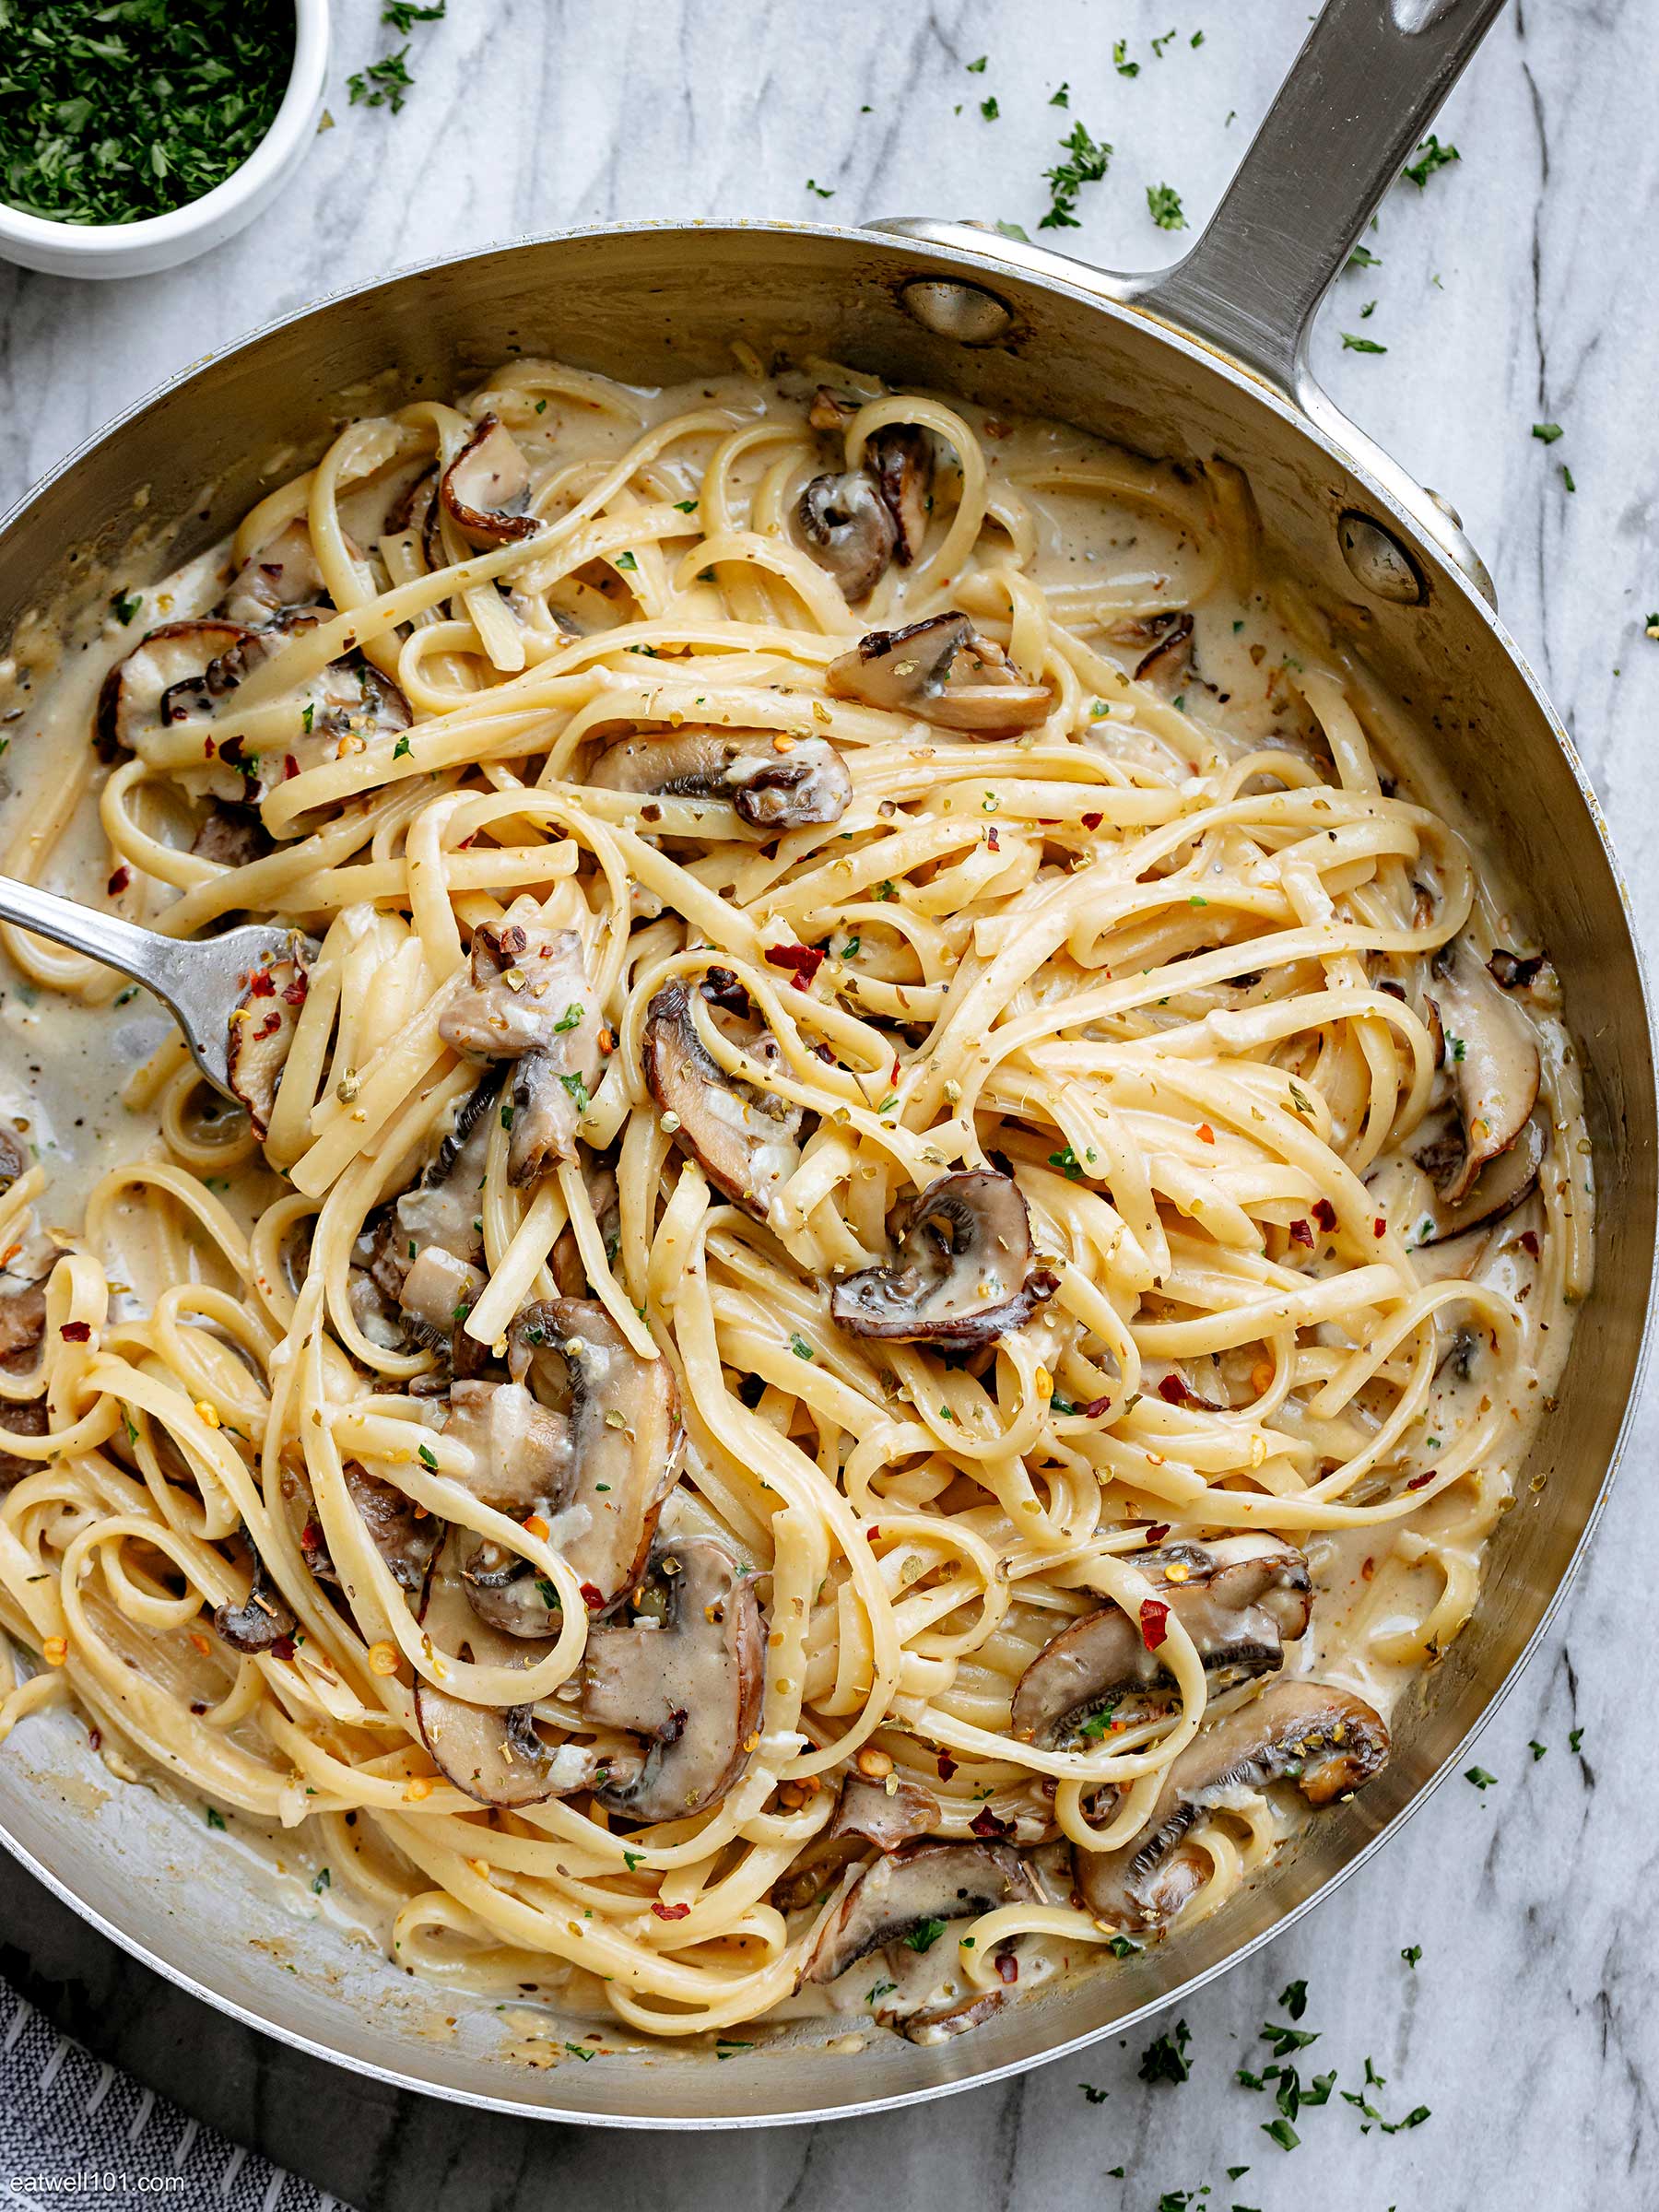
(1379, 562)
(954, 310)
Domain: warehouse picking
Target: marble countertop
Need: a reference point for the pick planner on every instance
(1515, 287)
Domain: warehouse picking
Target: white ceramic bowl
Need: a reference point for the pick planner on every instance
(160, 242)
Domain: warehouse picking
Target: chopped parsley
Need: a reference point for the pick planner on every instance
(631, 1859)
(1294, 1998)
(1015, 231)
(978, 68)
(581, 2051)
(1286, 2040)
(400, 751)
(1411, 1954)
(924, 1937)
(1123, 1947)
(1574, 1739)
(1165, 2057)
(1350, 344)
(1061, 99)
(1434, 156)
(383, 83)
(1068, 1163)
(578, 1091)
(428, 1458)
(1120, 60)
(1362, 258)
(214, 1818)
(989, 109)
(568, 1020)
(1547, 432)
(725, 2047)
(1567, 478)
(685, 506)
(626, 562)
(401, 14)
(323, 1880)
(823, 191)
(124, 606)
(1163, 204)
(1283, 2133)
(1089, 161)
(1094, 2096)
(799, 1345)
(1479, 1777)
(878, 1990)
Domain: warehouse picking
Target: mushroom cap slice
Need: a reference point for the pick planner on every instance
(1500, 1186)
(1169, 640)
(767, 789)
(507, 1592)
(1238, 1599)
(522, 1455)
(900, 1893)
(442, 1208)
(262, 1620)
(173, 658)
(944, 672)
(283, 572)
(1326, 1740)
(745, 1139)
(887, 1817)
(901, 457)
(486, 487)
(963, 1275)
(231, 835)
(625, 1437)
(1495, 1063)
(21, 1416)
(262, 1029)
(490, 1752)
(849, 529)
(690, 1684)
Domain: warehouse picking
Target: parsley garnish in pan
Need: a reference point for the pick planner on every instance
(111, 113)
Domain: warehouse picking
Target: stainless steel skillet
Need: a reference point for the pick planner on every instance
(1208, 359)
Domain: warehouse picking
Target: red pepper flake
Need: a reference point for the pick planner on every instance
(294, 992)
(1324, 1213)
(1379, 1227)
(873, 1535)
(592, 1598)
(1529, 1242)
(1173, 1391)
(991, 839)
(1096, 1408)
(75, 1332)
(260, 985)
(1206, 1135)
(947, 1766)
(1156, 1533)
(987, 1827)
(827, 1052)
(1093, 821)
(269, 1026)
(804, 959)
(1007, 1966)
(1302, 1233)
(291, 766)
(1368, 1568)
(283, 1648)
(207, 748)
(1155, 1622)
(119, 881)
(1419, 1482)
(665, 1912)
(95, 1740)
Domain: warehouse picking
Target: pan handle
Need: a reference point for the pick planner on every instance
(1369, 81)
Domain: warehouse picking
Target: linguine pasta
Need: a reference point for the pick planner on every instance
(895, 1227)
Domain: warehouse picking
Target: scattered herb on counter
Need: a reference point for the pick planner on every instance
(1094, 2096)
(1411, 1954)
(383, 83)
(1158, 45)
(112, 113)
(989, 109)
(1283, 2133)
(1538, 1749)
(1368, 311)
(1350, 344)
(1062, 98)
(1547, 432)
(1434, 156)
(1575, 1738)
(1479, 1777)
(1165, 2057)
(1014, 230)
(1362, 258)
(1163, 204)
(1294, 1998)
(1089, 161)
(978, 68)
(823, 192)
(400, 15)
(1120, 48)
(1567, 478)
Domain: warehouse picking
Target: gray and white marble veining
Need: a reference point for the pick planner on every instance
(1515, 287)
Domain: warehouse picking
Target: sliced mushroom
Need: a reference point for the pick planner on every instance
(1495, 1064)
(1499, 1188)
(486, 487)
(520, 1451)
(22, 1318)
(232, 835)
(262, 1029)
(901, 1894)
(829, 409)
(27, 1417)
(943, 671)
(146, 690)
(963, 1275)
(688, 1680)
(531, 1000)
(1169, 642)
(901, 457)
(745, 1139)
(768, 789)
(889, 1815)
(1516, 971)
(261, 1621)
(437, 1291)
(625, 1436)
(494, 1753)
(12, 1162)
(849, 529)
(283, 573)
(442, 1211)
(1238, 1599)
(1326, 1741)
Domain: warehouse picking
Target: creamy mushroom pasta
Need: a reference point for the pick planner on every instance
(894, 1223)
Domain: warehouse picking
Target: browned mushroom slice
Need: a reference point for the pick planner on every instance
(917, 1893)
(442, 1212)
(963, 1275)
(902, 459)
(494, 1753)
(262, 1029)
(1499, 1187)
(829, 409)
(232, 835)
(849, 529)
(405, 1534)
(1168, 643)
(625, 1438)
(486, 487)
(439, 1291)
(745, 1139)
(22, 1318)
(283, 573)
(262, 1622)
(147, 690)
(27, 1417)
(520, 1453)
(770, 790)
(1516, 971)
(1326, 1741)
(530, 999)
(688, 1677)
(1494, 1058)
(1238, 1599)
(943, 671)
(889, 1815)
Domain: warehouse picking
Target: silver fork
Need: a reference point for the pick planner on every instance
(200, 981)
